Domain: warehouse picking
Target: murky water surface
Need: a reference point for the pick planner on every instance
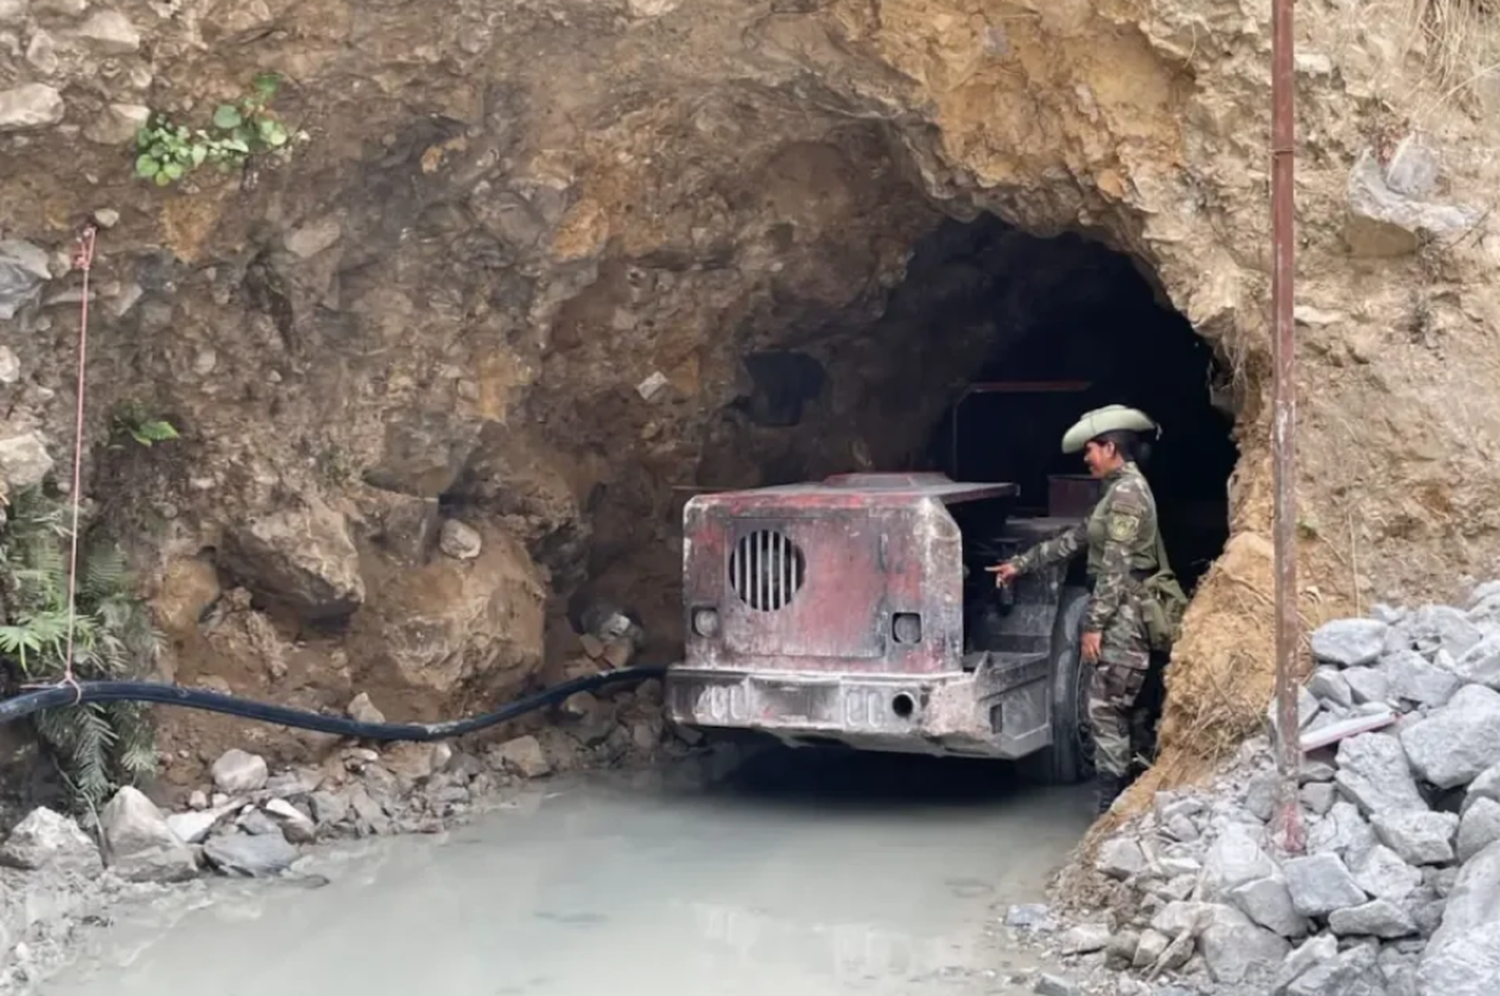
(798, 875)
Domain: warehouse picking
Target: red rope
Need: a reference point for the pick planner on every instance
(83, 259)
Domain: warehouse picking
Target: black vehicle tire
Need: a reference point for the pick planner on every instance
(1070, 758)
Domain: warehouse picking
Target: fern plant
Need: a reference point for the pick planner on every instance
(98, 746)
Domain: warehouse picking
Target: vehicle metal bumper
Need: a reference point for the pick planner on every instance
(995, 711)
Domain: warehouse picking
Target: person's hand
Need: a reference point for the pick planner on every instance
(1004, 574)
(1090, 646)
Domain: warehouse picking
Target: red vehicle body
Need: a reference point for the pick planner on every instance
(857, 612)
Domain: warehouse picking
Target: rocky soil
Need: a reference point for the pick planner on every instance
(251, 820)
(1397, 890)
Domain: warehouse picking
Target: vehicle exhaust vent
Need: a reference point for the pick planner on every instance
(766, 569)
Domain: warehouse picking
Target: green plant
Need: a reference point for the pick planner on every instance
(96, 745)
(166, 151)
(133, 420)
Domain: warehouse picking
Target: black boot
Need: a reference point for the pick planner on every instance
(1107, 789)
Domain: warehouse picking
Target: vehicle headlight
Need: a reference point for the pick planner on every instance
(706, 622)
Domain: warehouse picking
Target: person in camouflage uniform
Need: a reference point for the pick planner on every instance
(1120, 539)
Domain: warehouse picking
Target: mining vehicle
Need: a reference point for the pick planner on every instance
(856, 612)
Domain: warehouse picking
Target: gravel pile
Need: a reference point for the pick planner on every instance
(1397, 890)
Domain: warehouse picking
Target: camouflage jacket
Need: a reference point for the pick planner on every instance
(1120, 536)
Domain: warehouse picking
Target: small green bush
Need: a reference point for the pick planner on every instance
(166, 152)
(97, 746)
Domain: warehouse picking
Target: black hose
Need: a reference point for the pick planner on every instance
(24, 705)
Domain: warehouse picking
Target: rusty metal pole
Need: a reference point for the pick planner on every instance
(1284, 408)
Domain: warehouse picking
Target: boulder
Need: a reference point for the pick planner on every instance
(141, 847)
(237, 772)
(1486, 786)
(31, 105)
(24, 460)
(1383, 874)
(1463, 956)
(1349, 642)
(445, 624)
(523, 756)
(1238, 953)
(194, 827)
(253, 856)
(302, 557)
(459, 541)
(1268, 902)
(1367, 684)
(1352, 972)
(1315, 951)
(1478, 828)
(46, 839)
(1456, 744)
(1418, 838)
(1377, 918)
(1236, 858)
(110, 32)
(23, 271)
(1373, 771)
(1480, 665)
(1343, 832)
(1320, 884)
(1442, 627)
(1414, 680)
(1329, 685)
(1120, 858)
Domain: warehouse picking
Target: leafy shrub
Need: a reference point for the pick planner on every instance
(97, 746)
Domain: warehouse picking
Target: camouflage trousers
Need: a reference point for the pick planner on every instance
(1115, 686)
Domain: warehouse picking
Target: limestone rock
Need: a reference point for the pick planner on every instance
(1413, 679)
(1343, 832)
(1320, 884)
(1456, 744)
(1377, 918)
(314, 237)
(1383, 874)
(1478, 828)
(1237, 858)
(1268, 902)
(1481, 663)
(194, 827)
(1463, 956)
(523, 756)
(1418, 838)
(1315, 951)
(302, 557)
(1084, 939)
(362, 710)
(1120, 858)
(1373, 771)
(1367, 684)
(24, 461)
(118, 124)
(237, 772)
(1349, 642)
(253, 856)
(13, 11)
(141, 847)
(459, 541)
(1383, 222)
(46, 839)
(296, 826)
(23, 271)
(1238, 953)
(31, 105)
(1329, 685)
(1351, 972)
(110, 32)
(1442, 627)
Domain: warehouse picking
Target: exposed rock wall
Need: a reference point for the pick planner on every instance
(510, 276)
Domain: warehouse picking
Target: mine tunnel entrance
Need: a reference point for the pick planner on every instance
(1093, 332)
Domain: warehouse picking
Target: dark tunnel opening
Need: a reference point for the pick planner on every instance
(1097, 334)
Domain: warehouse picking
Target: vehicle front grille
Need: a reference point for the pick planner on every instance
(766, 569)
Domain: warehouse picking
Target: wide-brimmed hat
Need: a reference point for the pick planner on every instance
(1110, 418)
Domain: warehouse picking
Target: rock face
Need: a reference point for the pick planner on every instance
(551, 305)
